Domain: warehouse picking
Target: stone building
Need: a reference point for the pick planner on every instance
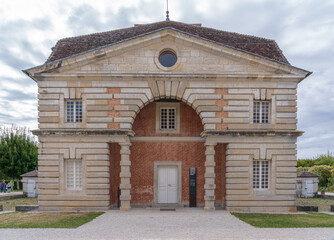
(30, 183)
(136, 108)
(307, 184)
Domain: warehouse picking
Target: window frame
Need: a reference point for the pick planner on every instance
(168, 105)
(261, 113)
(76, 118)
(168, 118)
(171, 48)
(261, 174)
(76, 185)
(165, 52)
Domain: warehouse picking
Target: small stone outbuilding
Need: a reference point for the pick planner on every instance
(30, 183)
(307, 184)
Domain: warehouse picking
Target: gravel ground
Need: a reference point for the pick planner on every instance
(153, 224)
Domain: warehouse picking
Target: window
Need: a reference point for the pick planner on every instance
(260, 174)
(167, 58)
(73, 173)
(261, 112)
(74, 111)
(167, 118)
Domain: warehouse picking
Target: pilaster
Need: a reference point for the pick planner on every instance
(125, 176)
(209, 185)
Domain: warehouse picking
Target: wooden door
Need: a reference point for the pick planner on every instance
(167, 184)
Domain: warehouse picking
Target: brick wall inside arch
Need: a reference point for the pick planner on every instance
(190, 122)
(191, 153)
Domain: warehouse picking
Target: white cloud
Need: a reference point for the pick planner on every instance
(302, 28)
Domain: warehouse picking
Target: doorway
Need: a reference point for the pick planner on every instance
(167, 183)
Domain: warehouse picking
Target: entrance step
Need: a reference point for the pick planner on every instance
(167, 209)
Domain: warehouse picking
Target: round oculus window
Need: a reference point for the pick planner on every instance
(167, 59)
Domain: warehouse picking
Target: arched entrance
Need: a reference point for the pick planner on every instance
(156, 162)
(166, 145)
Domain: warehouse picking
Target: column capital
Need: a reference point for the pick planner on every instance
(209, 141)
(209, 144)
(125, 144)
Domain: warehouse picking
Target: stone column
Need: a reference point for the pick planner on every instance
(209, 185)
(125, 176)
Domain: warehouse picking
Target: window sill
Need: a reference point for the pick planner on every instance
(74, 125)
(168, 131)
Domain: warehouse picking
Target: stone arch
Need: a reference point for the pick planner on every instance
(205, 101)
(147, 121)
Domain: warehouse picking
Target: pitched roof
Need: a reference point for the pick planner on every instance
(306, 174)
(75, 45)
(33, 173)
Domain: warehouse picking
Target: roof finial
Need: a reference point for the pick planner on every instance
(167, 13)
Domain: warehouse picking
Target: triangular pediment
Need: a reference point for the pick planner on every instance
(140, 55)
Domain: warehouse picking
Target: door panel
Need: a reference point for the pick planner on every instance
(162, 185)
(172, 185)
(309, 188)
(167, 184)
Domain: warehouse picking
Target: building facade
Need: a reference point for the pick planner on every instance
(137, 109)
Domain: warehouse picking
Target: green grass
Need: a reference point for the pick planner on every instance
(9, 205)
(46, 220)
(264, 220)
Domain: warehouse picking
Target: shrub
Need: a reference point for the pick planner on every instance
(324, 172)
(323, 159)
(18, 152)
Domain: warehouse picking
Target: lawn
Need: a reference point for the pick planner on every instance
(46, 220)
(323, 204)
(265, 220)
(9, 205)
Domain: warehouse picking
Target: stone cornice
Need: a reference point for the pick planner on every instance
(252, 133)
(82, 132)
(144, 76)
(207, 133)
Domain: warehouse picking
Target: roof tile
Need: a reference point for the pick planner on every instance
(75, 45)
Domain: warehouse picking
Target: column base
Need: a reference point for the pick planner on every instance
(125, 208)
(209, 208)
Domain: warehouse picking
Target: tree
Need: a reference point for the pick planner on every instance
(18, 152)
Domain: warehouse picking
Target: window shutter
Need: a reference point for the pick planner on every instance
(163, 118)
(256, 174)
(78, 174)
(171, 118)
(73, 173)
(69, 174)
(265, 174)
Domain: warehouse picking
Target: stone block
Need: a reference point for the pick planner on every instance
(25, 208)
(332, 208)
(304, 208)
(99, 120)
(236, 109)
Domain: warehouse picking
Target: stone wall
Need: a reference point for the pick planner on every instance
(118, 83)
(94, 152)
(240, 154)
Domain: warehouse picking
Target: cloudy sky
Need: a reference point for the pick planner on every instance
(304, 29)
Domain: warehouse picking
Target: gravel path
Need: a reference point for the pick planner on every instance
(154, 224)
